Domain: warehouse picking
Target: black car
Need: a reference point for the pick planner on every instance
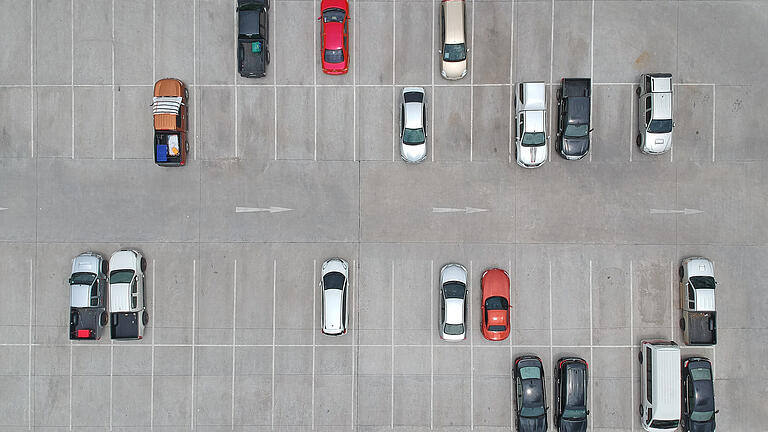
(698, 395)
(531, 397)
(571, 379)
(573, 126)
(253, 38)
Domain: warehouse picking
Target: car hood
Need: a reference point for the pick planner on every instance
(122, 260)
(413, 152)
(453, 273)
(658, 143)
(536, 424)
(531, 156)
(702, 426)
(575, 147)
(85, 264)
(454, 70)
(573, 425)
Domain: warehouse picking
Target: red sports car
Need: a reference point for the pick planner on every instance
(335, 37)
(495, 306)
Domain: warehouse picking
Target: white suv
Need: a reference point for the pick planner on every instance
(333, 287)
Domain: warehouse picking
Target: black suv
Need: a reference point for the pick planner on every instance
(573, 126)
(698, 395)
(571, 382)
(253, 38)
(531, 397)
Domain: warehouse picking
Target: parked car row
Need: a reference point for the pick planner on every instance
(95, 283)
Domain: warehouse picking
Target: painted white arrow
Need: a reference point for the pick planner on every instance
(685, 211)
(3, 208)
(257, 209)
(466, 210)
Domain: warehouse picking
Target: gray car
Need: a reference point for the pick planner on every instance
(413, 125)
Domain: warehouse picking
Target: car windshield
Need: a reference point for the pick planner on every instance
(532, 411)
(414, 136)
(665, 424)
(333, 280)
(82, 279)
(576, 131)
(454, 329)
(454, 290)
(334, 56)
(496, 303)
(660, 126)
(121, 276)
(702, 416)
(699, 374)
(575, 414)
(703, 282)
(333, 15)
(533, 139)
(454, 52)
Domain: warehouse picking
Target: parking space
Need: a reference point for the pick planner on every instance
(287, 171)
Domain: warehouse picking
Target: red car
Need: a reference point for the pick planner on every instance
(335, 37)
(495, 306)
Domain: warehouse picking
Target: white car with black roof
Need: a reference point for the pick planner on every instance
(333, 293)
(127, 302)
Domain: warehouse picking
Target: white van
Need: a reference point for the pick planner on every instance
(659, 385)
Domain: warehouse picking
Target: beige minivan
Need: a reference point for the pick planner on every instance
(453, 48)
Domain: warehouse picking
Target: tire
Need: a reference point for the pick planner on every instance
(682, 324)
(640, 411)
(639, 140)
(143, 264)
(103, 318)
(186, 94)
(145, 317)
(267, 56)
(640, 359)
(637, 91)
(559, 94)
(186, 146)
(105, 267)
(681, 272)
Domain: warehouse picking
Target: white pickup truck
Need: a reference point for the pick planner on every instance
(127, 302)
(697, 300)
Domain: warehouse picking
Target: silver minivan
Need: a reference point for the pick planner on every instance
(659, 385)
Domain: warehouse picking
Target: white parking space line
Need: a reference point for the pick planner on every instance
(195, 96)
(394, 89)
(392, 337)
(631, 352)
(29, 348)
(431, 343)
(72, 88)
(591, 67)
(234, 329)
(591, 343)
(194, 316)
(113, 79)
(632, 100)
(154, 31)
(471, 358)
(432, 86)
(511, 355)
(274, 74)
(551, 347)
(274, 307)
(354, 88)
(235, 32)
(472, 88)
(111, 372)
(551, 67)
(356, 328)
(31, 88)
(671, 300)
(314, 90)
(70, 385)
(152, 359)
(714, 122)
(511, 82)
(314, 332)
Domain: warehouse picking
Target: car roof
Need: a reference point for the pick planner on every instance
(333, 35)
(454, 21)
(666, 376)
(413, 115)
(454, 311)
(662, 106)
(333, 309)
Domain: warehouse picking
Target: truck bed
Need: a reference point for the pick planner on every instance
(84, 322)
(575, 87)
(701, 328)
(125, 325)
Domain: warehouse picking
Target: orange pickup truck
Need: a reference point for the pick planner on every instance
(171, 119)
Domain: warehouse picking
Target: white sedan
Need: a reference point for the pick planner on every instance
(453, 300)
(413, 125)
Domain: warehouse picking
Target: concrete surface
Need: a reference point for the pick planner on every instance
(233, 341)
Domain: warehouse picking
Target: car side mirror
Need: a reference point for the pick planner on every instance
(587, 412)
(717, 411)
(674, 124)
(591, 130)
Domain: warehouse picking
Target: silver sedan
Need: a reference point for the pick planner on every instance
(413, 125)
(453, 300)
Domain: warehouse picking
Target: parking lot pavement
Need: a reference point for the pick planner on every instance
(287, 171)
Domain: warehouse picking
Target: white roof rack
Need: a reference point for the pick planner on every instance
(166, 105)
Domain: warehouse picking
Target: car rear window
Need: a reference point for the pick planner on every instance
(497, 328)
(454, 329)
(665, 424)
(334, 56)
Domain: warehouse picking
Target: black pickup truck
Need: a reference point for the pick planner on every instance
(573, 126)
(253, 38)
(88, 286)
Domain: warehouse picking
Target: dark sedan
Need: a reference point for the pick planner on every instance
(253, 38)
(571, 381)
(698, 395)
(531, 397)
